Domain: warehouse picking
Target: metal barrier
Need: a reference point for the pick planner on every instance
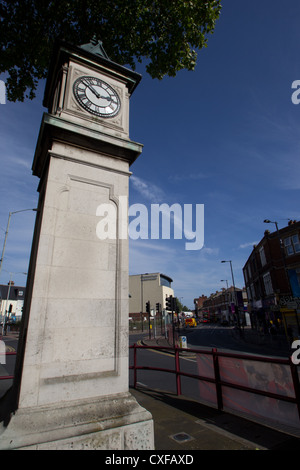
(215, 377)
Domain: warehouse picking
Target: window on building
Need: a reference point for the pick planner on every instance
(262, 256)
(253, 296)
(268, 284)
(292, 245)
(165, 281)
(249, 294)
(249, 271)
(294, 278)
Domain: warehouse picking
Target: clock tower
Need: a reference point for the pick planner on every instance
(71, 380)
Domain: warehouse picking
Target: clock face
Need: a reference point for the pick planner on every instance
(96, 97)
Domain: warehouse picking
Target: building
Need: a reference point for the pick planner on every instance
(11, 301)
(199, 304)
(272, 279)
(152, 287)
(221, 307)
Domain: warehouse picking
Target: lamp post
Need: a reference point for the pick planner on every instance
(236, 308)
(6, 232)
(227, 295)
(267, 221)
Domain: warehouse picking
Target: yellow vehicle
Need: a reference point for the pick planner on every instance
(190, 322)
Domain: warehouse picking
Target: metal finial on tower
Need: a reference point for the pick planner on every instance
(95, 46)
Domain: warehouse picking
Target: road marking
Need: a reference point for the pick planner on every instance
(191, 358)
(230, 435)
(139, 343)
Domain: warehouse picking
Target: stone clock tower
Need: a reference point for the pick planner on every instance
(71, 386)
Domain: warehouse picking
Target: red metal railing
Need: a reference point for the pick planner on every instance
(216, 379)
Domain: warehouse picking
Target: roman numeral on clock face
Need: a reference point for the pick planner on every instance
(96, 96)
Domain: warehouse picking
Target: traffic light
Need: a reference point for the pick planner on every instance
(148, 307)
(169, 303)
(158, 307)
(175, 305)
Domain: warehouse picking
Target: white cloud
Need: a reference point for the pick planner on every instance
(209, 251)
(246, 245)
(187, 177)
(149, 191)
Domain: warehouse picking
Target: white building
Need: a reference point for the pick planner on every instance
(11, 301)
(152, 287)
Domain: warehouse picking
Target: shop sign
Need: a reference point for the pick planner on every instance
(289, 301)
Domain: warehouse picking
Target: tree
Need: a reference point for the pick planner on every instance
(166, 33)
(180, 307)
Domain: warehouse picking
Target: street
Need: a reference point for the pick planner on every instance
(222, 337)
(213, 335)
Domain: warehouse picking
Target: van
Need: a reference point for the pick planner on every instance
(190, 322)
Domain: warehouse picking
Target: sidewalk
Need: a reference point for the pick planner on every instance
(183, 424)
(253, 337)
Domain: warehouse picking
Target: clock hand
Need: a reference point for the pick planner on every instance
(92, 89)
(108, 98)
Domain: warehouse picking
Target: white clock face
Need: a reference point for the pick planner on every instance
(96, 96)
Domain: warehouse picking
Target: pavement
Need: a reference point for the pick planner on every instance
(182, 424)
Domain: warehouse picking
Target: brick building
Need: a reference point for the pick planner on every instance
(272, 279)
(199, 305)
(227, 305)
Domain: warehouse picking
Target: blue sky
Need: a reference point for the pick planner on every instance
(226, 135)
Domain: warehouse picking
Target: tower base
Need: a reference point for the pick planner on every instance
(115, 422)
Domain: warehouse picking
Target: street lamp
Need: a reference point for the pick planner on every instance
(229, 261)
(267, 221)
(6, 232)
(235, 298)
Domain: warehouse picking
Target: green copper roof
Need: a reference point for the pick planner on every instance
(95, 47)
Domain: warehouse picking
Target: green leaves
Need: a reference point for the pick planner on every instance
(165, 33)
